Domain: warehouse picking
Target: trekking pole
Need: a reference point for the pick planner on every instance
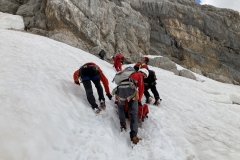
(113, 78)
(142, 112)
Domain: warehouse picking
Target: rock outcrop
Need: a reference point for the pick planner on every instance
(164, 63)
(187, 74)
(202, 38)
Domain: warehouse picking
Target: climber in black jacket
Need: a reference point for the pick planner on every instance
(150, 83)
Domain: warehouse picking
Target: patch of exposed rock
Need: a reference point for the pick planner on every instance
(164, 63)
(187, 74)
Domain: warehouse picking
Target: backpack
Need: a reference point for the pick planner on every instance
(123, 75)
(120, 56)
(142, 111)
(126, 89)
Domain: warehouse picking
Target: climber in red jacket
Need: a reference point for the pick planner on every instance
(118, 61)
(145, 60)
(92, 72)
(125, 88)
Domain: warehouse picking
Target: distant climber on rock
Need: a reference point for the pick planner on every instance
(118, 61)
(145, 60)
(102, 54)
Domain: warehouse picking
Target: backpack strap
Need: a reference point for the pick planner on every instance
(127, 84)
(128, 98)
(128, 81)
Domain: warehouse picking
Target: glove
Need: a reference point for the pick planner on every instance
(140, 103)
(77, 83)
(109, 96)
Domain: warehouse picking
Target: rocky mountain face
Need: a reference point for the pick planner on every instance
(201, 38)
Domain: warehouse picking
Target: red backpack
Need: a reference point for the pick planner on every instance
(142, 111)
(120, 56)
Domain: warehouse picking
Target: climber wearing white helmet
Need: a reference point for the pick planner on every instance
(144, 71)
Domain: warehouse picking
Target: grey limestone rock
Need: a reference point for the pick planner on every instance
(187, 74)
(164, 63)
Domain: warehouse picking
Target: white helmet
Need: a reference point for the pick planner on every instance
(144, 70)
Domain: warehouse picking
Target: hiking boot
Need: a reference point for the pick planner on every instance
(102, 104)
(123, 128)
(157, 102)
(97, 110)
(148, 100)
(135, 139)
(146, 116)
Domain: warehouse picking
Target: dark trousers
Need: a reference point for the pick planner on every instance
(133, 109)
(154, 91)
(89, 91)
(101, 57)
